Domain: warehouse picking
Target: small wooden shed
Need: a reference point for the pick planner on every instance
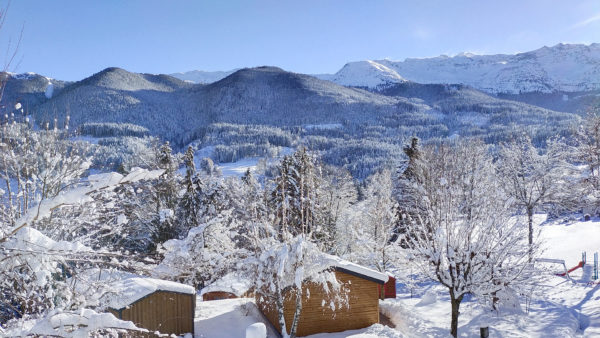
(153, 304)
(318, 316)
(388, 290)
(229, 286)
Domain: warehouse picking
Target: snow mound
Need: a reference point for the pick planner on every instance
(83, 323)
(130, 290)
(428, 298)
(231, 282)
(229, 318)
(256, 330)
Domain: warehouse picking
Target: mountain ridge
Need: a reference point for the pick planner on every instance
(563, 67)
(560, 68)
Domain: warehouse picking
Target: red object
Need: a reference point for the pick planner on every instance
(389, 288)
(580, 265)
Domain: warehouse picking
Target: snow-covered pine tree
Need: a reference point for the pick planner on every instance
(167, 189)
(165, 196)
(407, 188)
(190, 203)
(248, 201)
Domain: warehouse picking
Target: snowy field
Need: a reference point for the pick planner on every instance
(562, 307)
(239, 168)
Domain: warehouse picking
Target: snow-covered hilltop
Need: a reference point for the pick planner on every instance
(564, 67)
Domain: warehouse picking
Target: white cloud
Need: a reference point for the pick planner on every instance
(586, 22)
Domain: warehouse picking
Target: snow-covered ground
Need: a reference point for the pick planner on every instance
(239, 168)
(432, 319)
(562, 307)
(227, 318)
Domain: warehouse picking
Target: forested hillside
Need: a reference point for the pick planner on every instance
(350, 127)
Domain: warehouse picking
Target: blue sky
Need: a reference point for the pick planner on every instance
(73, 39)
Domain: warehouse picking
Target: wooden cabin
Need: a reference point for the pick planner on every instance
(227, 287)
(318, 316)
(153, 304)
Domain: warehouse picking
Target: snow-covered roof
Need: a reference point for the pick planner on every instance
(231, 282)
(129, 290)
(347, 266)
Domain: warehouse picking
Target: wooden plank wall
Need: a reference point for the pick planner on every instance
(167, 312)
(362, 310)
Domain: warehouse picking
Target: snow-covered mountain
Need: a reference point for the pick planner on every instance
(199, 76)
(368, 74)
(564, 67)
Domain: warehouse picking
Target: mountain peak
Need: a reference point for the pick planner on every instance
(369, 74)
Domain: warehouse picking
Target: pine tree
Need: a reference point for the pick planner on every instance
(167, 187)
(190, 203)
(406, 192)
(294, 198)
(165, 196)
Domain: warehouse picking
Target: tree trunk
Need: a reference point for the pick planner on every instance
(455, 302)
(297, 312)
(279, 301)
(530, 224)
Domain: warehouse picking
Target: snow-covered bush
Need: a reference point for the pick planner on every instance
(205, 254)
